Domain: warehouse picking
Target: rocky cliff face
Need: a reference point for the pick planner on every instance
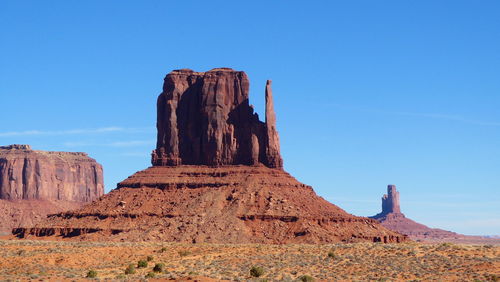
(204, 118)
(26, 174)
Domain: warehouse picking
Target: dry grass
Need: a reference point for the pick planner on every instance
(47, 260)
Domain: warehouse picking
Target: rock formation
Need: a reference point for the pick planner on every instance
(390, 202)
(204, 118)
(44, 182)
(16, 213)
(216, 177)
(392, 218)
(26, 174)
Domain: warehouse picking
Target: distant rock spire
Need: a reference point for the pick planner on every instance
(390, 201)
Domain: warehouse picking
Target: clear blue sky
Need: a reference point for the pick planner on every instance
(367, 93)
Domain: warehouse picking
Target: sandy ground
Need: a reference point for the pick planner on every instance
(59, 261)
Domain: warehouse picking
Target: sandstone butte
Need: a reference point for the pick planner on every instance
(217, 176)
(36, 183)
(392, 218)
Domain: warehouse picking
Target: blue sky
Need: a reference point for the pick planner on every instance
(367, 93)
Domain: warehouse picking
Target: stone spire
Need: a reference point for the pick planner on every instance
(273, 141)
(390, 201)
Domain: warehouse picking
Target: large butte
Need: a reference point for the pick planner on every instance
(217, 176)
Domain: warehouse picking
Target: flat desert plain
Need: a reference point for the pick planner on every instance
(72, 261)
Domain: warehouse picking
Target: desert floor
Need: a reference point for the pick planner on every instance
(52, 260)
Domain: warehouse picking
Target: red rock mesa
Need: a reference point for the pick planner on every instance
(35, 183)
(217, 176)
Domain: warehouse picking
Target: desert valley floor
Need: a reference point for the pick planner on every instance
(72, 261)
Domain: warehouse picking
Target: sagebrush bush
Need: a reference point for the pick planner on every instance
(256, 271)
(92, 274)
(184, 253)
(149, 258)
(159, 267)
(130, 269)
(306, 278)
(150, 275)
(142, 264)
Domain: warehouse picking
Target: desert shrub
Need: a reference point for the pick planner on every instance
(150, 275)
(332, 255)
(142, 264)
(306, 278)
(120, 276)
(256, 271)
(162, 250)
(184, 253)
(92, 274)
(159, 267)
(149, 258)
(130, 269)
(492, 277)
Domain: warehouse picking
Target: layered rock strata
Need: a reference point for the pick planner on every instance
(26, 174)
(34, 184)
(228, 204)
(217, 177)
(23, 213)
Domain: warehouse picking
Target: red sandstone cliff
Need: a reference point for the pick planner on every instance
(204, 118)
(38, 175)
(35, 183)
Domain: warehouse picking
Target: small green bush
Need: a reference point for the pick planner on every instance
(92, 274)
(159, 267)
(162, 250)
(150, 258)
(142, 264)
(130, 269)
(150, 275)
(306, 278)
(256, 271)
(332, 255)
